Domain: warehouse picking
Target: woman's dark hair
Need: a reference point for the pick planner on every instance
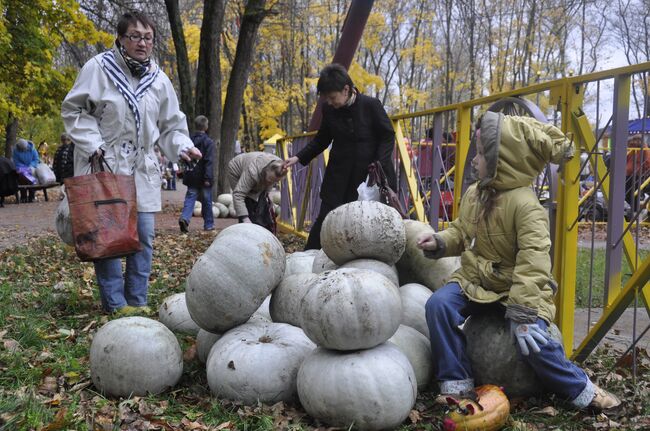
(333, 77)
(132, 18)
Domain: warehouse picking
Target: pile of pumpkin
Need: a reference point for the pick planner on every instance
(330, 327)
(223, 207)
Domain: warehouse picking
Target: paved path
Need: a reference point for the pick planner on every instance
(19, 223)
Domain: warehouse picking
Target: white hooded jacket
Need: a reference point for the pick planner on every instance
(97, 115)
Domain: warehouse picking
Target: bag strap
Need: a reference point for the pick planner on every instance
(99, 164)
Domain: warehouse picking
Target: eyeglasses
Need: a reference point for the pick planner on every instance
(137, 38)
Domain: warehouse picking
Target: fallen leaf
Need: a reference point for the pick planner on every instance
(59, 421)
(549, 411)
(414, 416)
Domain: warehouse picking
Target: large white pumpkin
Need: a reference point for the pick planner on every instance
(322, 263)
(414, 299)
(257, 362)
(135, 356)
(350, 309)
(388, 271)
(286, 298)
(64, 222)
(417, 349)
(300, 261)
(263, 313)
(413, 267)
(173, 314)
(363, 229)
(225, 199)
(231, 280)
(197, 209)
(204, 342)
(371, 389)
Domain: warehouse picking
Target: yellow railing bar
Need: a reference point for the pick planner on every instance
(639, 280)
(409, 171)
(463, 128)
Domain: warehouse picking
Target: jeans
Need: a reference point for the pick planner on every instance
(206, 205)
(117, 290)
(448, 308)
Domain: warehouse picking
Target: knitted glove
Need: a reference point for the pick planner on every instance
(528, 335)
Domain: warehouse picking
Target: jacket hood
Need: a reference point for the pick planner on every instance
(517, 149)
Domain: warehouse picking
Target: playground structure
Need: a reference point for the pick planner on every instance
(433, 170)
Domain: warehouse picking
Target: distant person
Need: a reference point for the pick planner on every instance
(26, 159)
(360, 133)
(199, 179)
(121, 105)
(8, 179)
(63, 165)
(251, 176)
(172, 168)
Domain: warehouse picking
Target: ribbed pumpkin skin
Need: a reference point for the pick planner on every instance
(300, 262)
(257, 362)
(135, 356)
(64, 222)
(322, 263)
(363, 229)
(286, 298)
(493, 416)
(388, 271)
(204, 342)
(350, 309)
(413, 267)
(234, 276)
(417, 349)
(375, 388)
(414, 299)
(173, 314)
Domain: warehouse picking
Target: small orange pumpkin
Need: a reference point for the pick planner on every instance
(490, 413)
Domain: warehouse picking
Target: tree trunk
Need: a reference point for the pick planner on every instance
(208, 75)
(11, 132)
(254, 14)
(183, 63)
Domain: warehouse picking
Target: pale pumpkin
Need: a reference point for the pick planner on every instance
(322, 263)
(372, 389)
(257, 362)
(388, 271)
(64, 222)
(135, 356)
(300, 261)
(417, 349)
(275, 196)
(286, 298)
(197, 209)
(350, 309)
(173, 314)
(414, 299)
(363, 229)
(204, 342)
(413, 267)
(232, 278)
(223, 210)
(494, 357)
(225, 199)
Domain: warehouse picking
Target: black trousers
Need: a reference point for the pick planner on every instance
(313, 241)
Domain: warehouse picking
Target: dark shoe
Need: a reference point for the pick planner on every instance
(604, 400)
(184, 226)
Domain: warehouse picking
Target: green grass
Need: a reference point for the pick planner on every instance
(595, 273)
(50, 309)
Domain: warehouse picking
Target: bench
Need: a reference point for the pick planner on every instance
(36, 187)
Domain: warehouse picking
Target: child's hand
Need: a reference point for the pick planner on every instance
(427, 241)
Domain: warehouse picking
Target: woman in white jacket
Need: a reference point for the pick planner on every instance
(121, 105)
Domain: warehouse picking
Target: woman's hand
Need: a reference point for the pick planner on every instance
(427, 241)
(191, 153)
(290, 162)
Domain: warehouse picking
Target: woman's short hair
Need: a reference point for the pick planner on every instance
(132, 18)
(22, 144)
(332, 78)
(201, 123)
(65, 137)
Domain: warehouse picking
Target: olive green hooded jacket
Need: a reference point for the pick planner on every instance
(505, 257)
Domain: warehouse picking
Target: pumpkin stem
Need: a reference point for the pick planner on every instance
(265, 339)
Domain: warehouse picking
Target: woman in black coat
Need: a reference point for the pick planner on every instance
(360, 133)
